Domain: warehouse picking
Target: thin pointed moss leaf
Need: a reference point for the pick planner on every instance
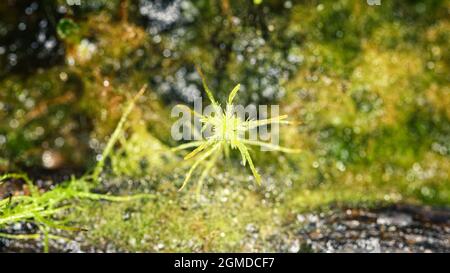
(196, 163)
(187, 145)
(190, 110)
(205, 172)
(250, 163)
(244, 158)
(116, 134)
(233, 93)
(256, 123)
(205, 86)
(197, 150)
(34, 236)
(271, 146)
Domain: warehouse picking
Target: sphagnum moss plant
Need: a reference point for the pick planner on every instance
(228, 130)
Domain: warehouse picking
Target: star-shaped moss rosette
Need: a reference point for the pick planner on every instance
(228, 131)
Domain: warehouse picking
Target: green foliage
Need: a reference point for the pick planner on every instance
(46, 209)
(228, 132)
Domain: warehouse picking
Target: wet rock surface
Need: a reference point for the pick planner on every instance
(400, 228)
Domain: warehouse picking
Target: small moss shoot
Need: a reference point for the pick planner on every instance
(228, 132)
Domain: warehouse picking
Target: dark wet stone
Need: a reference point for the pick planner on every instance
(394, 229)
(396, 219)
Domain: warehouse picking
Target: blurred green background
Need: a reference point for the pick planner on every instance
(369, 84)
